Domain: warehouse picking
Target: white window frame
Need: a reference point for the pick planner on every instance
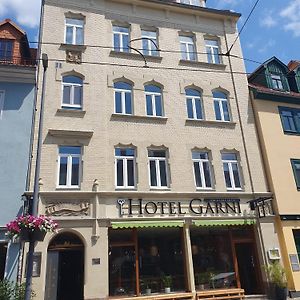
(230, 162)
(121, 34)
(69, 169)
(187, 51)
(211, 51)
(123, 101)
(200, 162)
(157, 169)
(190, 2)
(148, 39)
(220, 101)
(125, 159)
(2, 97)
(74, 30)
(153, 94)
(72, 85)
(277, 78)
(194, 99)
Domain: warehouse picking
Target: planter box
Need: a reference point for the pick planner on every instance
(36, 235)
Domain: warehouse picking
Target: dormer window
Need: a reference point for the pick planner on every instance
(6, 49)
(276, 82)
(191, 2)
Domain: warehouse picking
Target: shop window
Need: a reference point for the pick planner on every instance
(212, 259)
(3, 250)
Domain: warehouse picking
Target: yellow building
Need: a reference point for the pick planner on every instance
(275, 95)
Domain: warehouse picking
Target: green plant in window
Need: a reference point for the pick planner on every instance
(167, 280)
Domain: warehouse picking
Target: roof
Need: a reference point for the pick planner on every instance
(197, 8)
(9, 21)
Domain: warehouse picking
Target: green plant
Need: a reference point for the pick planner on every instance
(167, 280)
(12, 291)
(277, 274)
(145, 281)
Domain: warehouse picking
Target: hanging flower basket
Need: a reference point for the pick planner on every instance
(30, 228)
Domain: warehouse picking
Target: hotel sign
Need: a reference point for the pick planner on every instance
(131, 207)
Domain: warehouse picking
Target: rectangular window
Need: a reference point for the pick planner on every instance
(121, 38)
(74, 31)
(158, 168)
(2, 94)
(202, 169)
(212, 50)
(231, 171)
(290, 119)
(187, 48)
(6, 49)
(69, 166)
(296, 234)
(296, 170)
(276, 82)
(125, 167)
(190, 2)
(150, 45)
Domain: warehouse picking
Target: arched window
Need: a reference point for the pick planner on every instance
(154, 106)
(193, 104)
(221, 106)
(72, 92)
(123, 98)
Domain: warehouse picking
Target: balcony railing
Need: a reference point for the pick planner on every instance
(18, 61)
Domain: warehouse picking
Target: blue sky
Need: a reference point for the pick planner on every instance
(273, 30)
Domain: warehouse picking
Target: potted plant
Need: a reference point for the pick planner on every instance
(277, 277)
(30, 228)
(167, 282)
(147, 283)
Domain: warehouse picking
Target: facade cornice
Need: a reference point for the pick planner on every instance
(20, 74)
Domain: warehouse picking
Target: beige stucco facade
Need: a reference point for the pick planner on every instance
(93, 207)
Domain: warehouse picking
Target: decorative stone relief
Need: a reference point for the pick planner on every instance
(64, 209)
(73, 56)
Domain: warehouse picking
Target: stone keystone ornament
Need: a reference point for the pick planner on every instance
(121, 202)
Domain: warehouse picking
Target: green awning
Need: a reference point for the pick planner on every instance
(146, 224)
(232, 222)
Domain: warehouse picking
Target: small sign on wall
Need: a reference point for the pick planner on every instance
(274, 254)
(95, 261)
(36, 264)
(294, 262)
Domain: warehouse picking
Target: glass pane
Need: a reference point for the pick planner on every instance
(198, 108)
(211, 43)
(74, 22)
(122, 86)
(220, 95)
(190, 112)
(217, 110)
(183, 51)
(120, 172)
(191, 50)
(227, 175)
(118, 102)
(206, 170)
(72, 79)
(153, 178)
(158, 106)
(163, 173)
(125, 43)
(288, 123)
(70, 150)
(145, 47)
(130, 172)
(209, 55)
(149, 105)
(69, 35)
(128, 106)
(124, 152)
(79, 36)
(116, 42)
(152, 88)
(67, 94)
(75, 171)
(216, 55)
(225, 111)
(197, 174)
(157, 153)
(77, 95)
(63, 171)
(229, 156)
(236, 176)
(192, 92)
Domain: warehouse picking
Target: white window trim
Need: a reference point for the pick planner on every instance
(123, 101)
(69, 170)
(121, 34)
(232, 181)
(153, 94)
(194, 99)
(200, 162)
(74, 31)
(211, 52)
(149, 43)
(125, 159)
(220, 101)
(2, 97)
(157, 169)
(72, 85)
(277, 79)
(187, 52)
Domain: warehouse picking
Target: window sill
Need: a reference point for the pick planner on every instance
(291, 133)
(235, 190)
(69, 112)
(125, 189)
(205, 189)
(67, 188)
(153, 188)
(80, 48)
(87, 134)
(196, 63)
(130, 55)
(199, 122)
(135, 118)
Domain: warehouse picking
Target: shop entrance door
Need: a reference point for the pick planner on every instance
(247, 267)
(65, 269)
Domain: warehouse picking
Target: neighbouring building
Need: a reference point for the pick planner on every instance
(17, 94)
(275, 95)
(149, 156)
